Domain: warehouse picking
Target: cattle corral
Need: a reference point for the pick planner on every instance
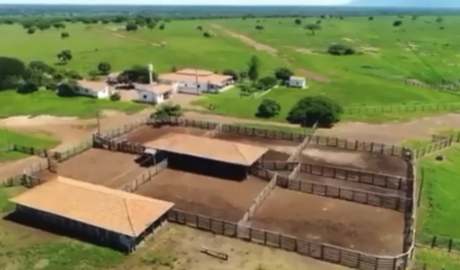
(320, 219)
(306, 201)
(204, 195)
(101, 167)
(347, 158)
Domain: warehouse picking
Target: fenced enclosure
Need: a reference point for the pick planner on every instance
(373, 110)
(324, 252)
(213, 133)
(145, 177)
(299, 149)
(437, 145)
(433, 241)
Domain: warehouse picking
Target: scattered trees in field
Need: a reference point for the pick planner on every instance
(64, 56)
(397, 23)
(167, 110)
(253, 68)
(340, 49)
(59, 25)
(317, 109)
(104, 68)
(64, 35)
(268, 108)
(313, 27)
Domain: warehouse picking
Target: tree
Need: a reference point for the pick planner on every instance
(31, 31)
(266, 83)
(59, 25)
(340, 49)
(64, 56)
(115, 96)
(371, 18)
(11, 71)
(64, 35)
(298, 21)
(207, 34)
(162, 27)
(259, 27)
(268, 108)
(234, 74)
(317, 109)
(199, 27)
(104, 67)
(313, 27)
(42, 67)
(151, 25)
(253, 68)
(136, 74)
(131, 26)
(166, 111)
(397, 23)
(439, 20)
(283, 74)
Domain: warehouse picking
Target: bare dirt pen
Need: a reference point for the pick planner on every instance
(204, 195)
(354, 160)
(349, 225)
(101, 167)
(278, 149)
(148, 133)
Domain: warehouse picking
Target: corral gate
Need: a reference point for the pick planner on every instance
(101, 141)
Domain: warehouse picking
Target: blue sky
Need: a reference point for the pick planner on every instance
(181, 2)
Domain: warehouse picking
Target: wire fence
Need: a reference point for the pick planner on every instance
(409, 108)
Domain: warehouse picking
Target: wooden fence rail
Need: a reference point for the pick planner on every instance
(325, 252)
(145, 177)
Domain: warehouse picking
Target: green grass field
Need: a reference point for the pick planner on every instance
(48, 103)
(36, 140)
(438, 213)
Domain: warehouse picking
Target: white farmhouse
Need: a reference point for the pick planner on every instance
(194, 81)
(295, 81)
(154, 93)
(89, 88)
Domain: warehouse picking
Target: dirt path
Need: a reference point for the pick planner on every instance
(271, 50)
(246, 40)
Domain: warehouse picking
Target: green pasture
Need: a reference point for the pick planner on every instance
(48, 103)
(438, 212)
(184, 46)
(8, 138)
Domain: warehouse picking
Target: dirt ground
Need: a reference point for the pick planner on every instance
(349, 225)
(214, 197)
(147, 133)
(102, 167)
(343, 184)
(354, 160)
(279, 150)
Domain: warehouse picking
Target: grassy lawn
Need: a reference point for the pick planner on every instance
(48, 103)
(438, 213)
(436, 259)
(36, 140)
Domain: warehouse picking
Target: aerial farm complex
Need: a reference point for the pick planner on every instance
(280, 189)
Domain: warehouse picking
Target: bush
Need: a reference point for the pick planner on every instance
(397, 23)
(115, 96)
(64, 35)
(317, 109)
(208, 34)
(167, 110)
(268, 108)
(266, 83)
(340, 49)
(31, 31)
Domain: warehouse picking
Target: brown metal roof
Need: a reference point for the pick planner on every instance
(219, 150)
(106, 208)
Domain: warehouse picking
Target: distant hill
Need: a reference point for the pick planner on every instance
(407, 3)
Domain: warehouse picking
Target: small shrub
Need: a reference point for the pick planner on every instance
(199, 27)
(31, 31)
(208, 34)
(64, 35)
(115, 96)
(397, 23)
(340, 49)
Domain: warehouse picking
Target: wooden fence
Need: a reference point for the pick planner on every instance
(127, 147)
(76, 150)
(117, 132)
(26, 178)
(372, 110)
(299, 149)
(274, 165)
(324, 252)
(145, 177)
(295, 172)
(364, 177)
(433, 147)
(259, 199)
(263, 133)
(371, 147)
(213, 133)
(358, 196)
(440, 242)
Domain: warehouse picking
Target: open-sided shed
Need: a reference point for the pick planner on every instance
(111, 217)
(208, 156)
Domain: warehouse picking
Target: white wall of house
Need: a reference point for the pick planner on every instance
(193, 87)
(149, 96)
(297, 82)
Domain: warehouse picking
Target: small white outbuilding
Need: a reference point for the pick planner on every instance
(296, 81)
(156, 93)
